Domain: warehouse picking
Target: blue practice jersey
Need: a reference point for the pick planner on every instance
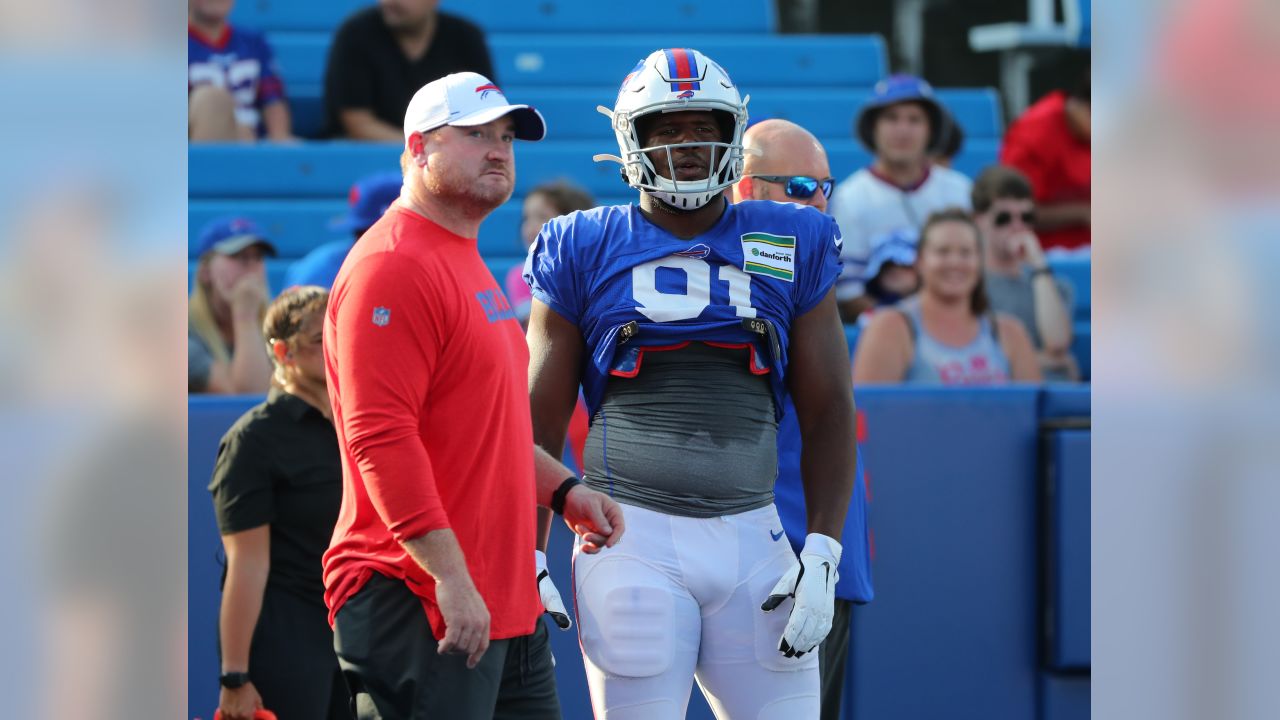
(628, 284)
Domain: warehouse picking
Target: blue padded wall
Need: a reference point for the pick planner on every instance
(952, 631)
(1068, 568)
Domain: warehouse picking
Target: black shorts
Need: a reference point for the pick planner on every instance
(388, 657)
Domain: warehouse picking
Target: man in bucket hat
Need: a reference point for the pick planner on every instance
(904, 126)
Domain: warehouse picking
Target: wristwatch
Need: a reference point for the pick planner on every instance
(233, 680)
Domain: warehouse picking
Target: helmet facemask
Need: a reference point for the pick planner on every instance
(652, 89)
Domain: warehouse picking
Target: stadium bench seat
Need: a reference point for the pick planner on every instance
(588, 60)
(571, 112)
(298, 226)
(544, 16)
(320, 170)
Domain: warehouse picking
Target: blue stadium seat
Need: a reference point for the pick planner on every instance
(276, 268)
(827, 113)
(294, 226)
(298, 226)
(326, 170)
(603, 59)
(544, 16)
(1077, 272)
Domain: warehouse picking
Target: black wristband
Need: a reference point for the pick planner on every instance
(233, 680)
(558, 497)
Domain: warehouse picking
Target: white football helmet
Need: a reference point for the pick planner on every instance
(675, 80)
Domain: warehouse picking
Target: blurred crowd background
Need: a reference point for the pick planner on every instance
(92, 211)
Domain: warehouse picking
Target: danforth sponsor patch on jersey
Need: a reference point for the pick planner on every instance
(770, 255)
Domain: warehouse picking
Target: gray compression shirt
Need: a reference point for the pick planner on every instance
(693, 434)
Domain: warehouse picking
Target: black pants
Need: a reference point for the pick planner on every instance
(291, 660)
(388, 656)
(832, 656)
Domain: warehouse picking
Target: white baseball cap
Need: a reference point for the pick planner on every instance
(465, 99)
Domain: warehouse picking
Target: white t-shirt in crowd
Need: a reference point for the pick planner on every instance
(868, 206)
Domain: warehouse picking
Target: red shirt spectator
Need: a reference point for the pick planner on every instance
(1053, 151)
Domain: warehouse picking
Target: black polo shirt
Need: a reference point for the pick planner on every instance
(279, 465)
(367, 69)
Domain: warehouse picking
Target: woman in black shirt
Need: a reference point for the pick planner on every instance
(276, 486)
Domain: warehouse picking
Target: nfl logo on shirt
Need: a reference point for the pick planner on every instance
(381, 316)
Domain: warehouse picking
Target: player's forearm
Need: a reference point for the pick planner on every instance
(439, 553)
(1051, 216)
(549, 474)
(828, 463)
(241, 606)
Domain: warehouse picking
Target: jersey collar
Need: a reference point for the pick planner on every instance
(904, 188)
(217, 43)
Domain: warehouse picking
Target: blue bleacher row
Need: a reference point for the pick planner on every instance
(571, 112)
(544, 16)
(327, 169)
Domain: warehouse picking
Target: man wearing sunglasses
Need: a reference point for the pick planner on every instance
(1018, 278)
(785, 163)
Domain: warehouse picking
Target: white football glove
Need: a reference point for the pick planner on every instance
(551, 601)
(812, 582)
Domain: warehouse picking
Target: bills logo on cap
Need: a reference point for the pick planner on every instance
(381, 316)
(484, 90)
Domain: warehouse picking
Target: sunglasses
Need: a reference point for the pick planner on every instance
(800, 186)
(1004, 217)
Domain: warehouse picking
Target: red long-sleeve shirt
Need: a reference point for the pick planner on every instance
(428, 377)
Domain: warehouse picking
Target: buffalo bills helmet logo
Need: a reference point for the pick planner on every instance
(685, 94)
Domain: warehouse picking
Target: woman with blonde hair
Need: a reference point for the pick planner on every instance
(946, 334)
(225, 311)
(277, 486)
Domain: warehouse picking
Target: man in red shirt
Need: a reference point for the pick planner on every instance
(1050, 145)
(430, 576)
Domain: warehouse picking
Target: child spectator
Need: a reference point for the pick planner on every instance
(543, 202)
(234, 91)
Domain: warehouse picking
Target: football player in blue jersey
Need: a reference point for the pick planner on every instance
(688, 321)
